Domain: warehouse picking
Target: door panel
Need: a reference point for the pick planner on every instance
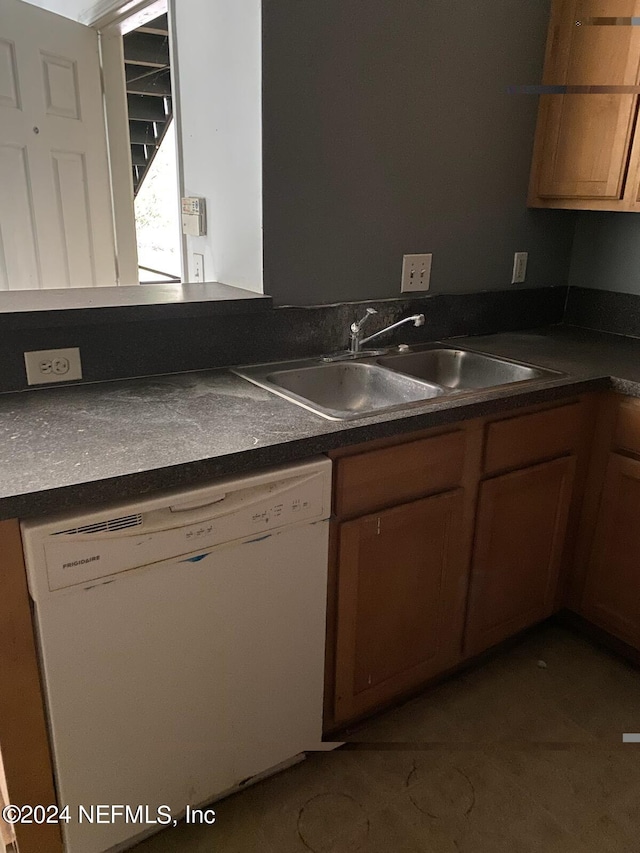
(611, 595)
(520, 528)
(401, 587)
(70, 183)
(8, 75)
(18, 247)
(51, 117)
(62, 96)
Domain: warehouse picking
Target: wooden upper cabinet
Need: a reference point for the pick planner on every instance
(520, 536)
(611, 596)
(584, 155)
(401, 593)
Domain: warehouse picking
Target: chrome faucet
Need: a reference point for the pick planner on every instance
(354, 337)
(356, 342)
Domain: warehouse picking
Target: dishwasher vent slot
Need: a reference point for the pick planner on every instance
(109, 526)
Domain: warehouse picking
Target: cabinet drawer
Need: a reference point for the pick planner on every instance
(526, 439)
(627, 435)
(379, 478)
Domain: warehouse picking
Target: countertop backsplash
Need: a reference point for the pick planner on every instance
(123, 348)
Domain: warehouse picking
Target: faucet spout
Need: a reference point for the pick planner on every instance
(416, 319)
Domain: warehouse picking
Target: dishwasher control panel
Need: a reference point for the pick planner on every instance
(141, 536)
(304, 503)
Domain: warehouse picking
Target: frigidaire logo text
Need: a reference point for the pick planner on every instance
(81, 562)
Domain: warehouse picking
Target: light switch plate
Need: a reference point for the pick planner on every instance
(416, 272)
(53, 365)
(198, 267)
(519, 274)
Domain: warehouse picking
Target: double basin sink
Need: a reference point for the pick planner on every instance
(343, 390)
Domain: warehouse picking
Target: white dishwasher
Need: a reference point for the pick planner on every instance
(182, 643)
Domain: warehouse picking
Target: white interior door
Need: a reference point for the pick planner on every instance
(56, 224)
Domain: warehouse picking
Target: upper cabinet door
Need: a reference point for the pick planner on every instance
(583, 140)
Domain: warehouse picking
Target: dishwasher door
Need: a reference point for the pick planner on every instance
(170, 685)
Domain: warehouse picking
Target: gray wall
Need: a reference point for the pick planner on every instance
(606, 252)
(388, 130)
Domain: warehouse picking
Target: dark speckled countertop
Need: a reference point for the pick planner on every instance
(90, 444)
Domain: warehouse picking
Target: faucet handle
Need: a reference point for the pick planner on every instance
(358, 324)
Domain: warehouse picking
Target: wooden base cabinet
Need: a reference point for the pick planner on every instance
(24, 738)
(605, 582)
(611, 596)
(446, 544)
(401, 589)
(519, 544)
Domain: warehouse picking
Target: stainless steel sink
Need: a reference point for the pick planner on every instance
(461, 370)
(342, 391)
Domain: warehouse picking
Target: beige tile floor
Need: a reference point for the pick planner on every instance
(509, 756)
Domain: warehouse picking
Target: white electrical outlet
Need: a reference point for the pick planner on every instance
(416, 272)
(519, 267)
(53, 365)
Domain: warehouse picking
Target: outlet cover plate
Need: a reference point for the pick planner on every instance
(520, 260)
(416, 272)
(53, 365)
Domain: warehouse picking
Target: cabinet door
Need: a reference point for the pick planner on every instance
(611, 596)
(401, 592)
(520, 532)
(24, 739)
(584, 139)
